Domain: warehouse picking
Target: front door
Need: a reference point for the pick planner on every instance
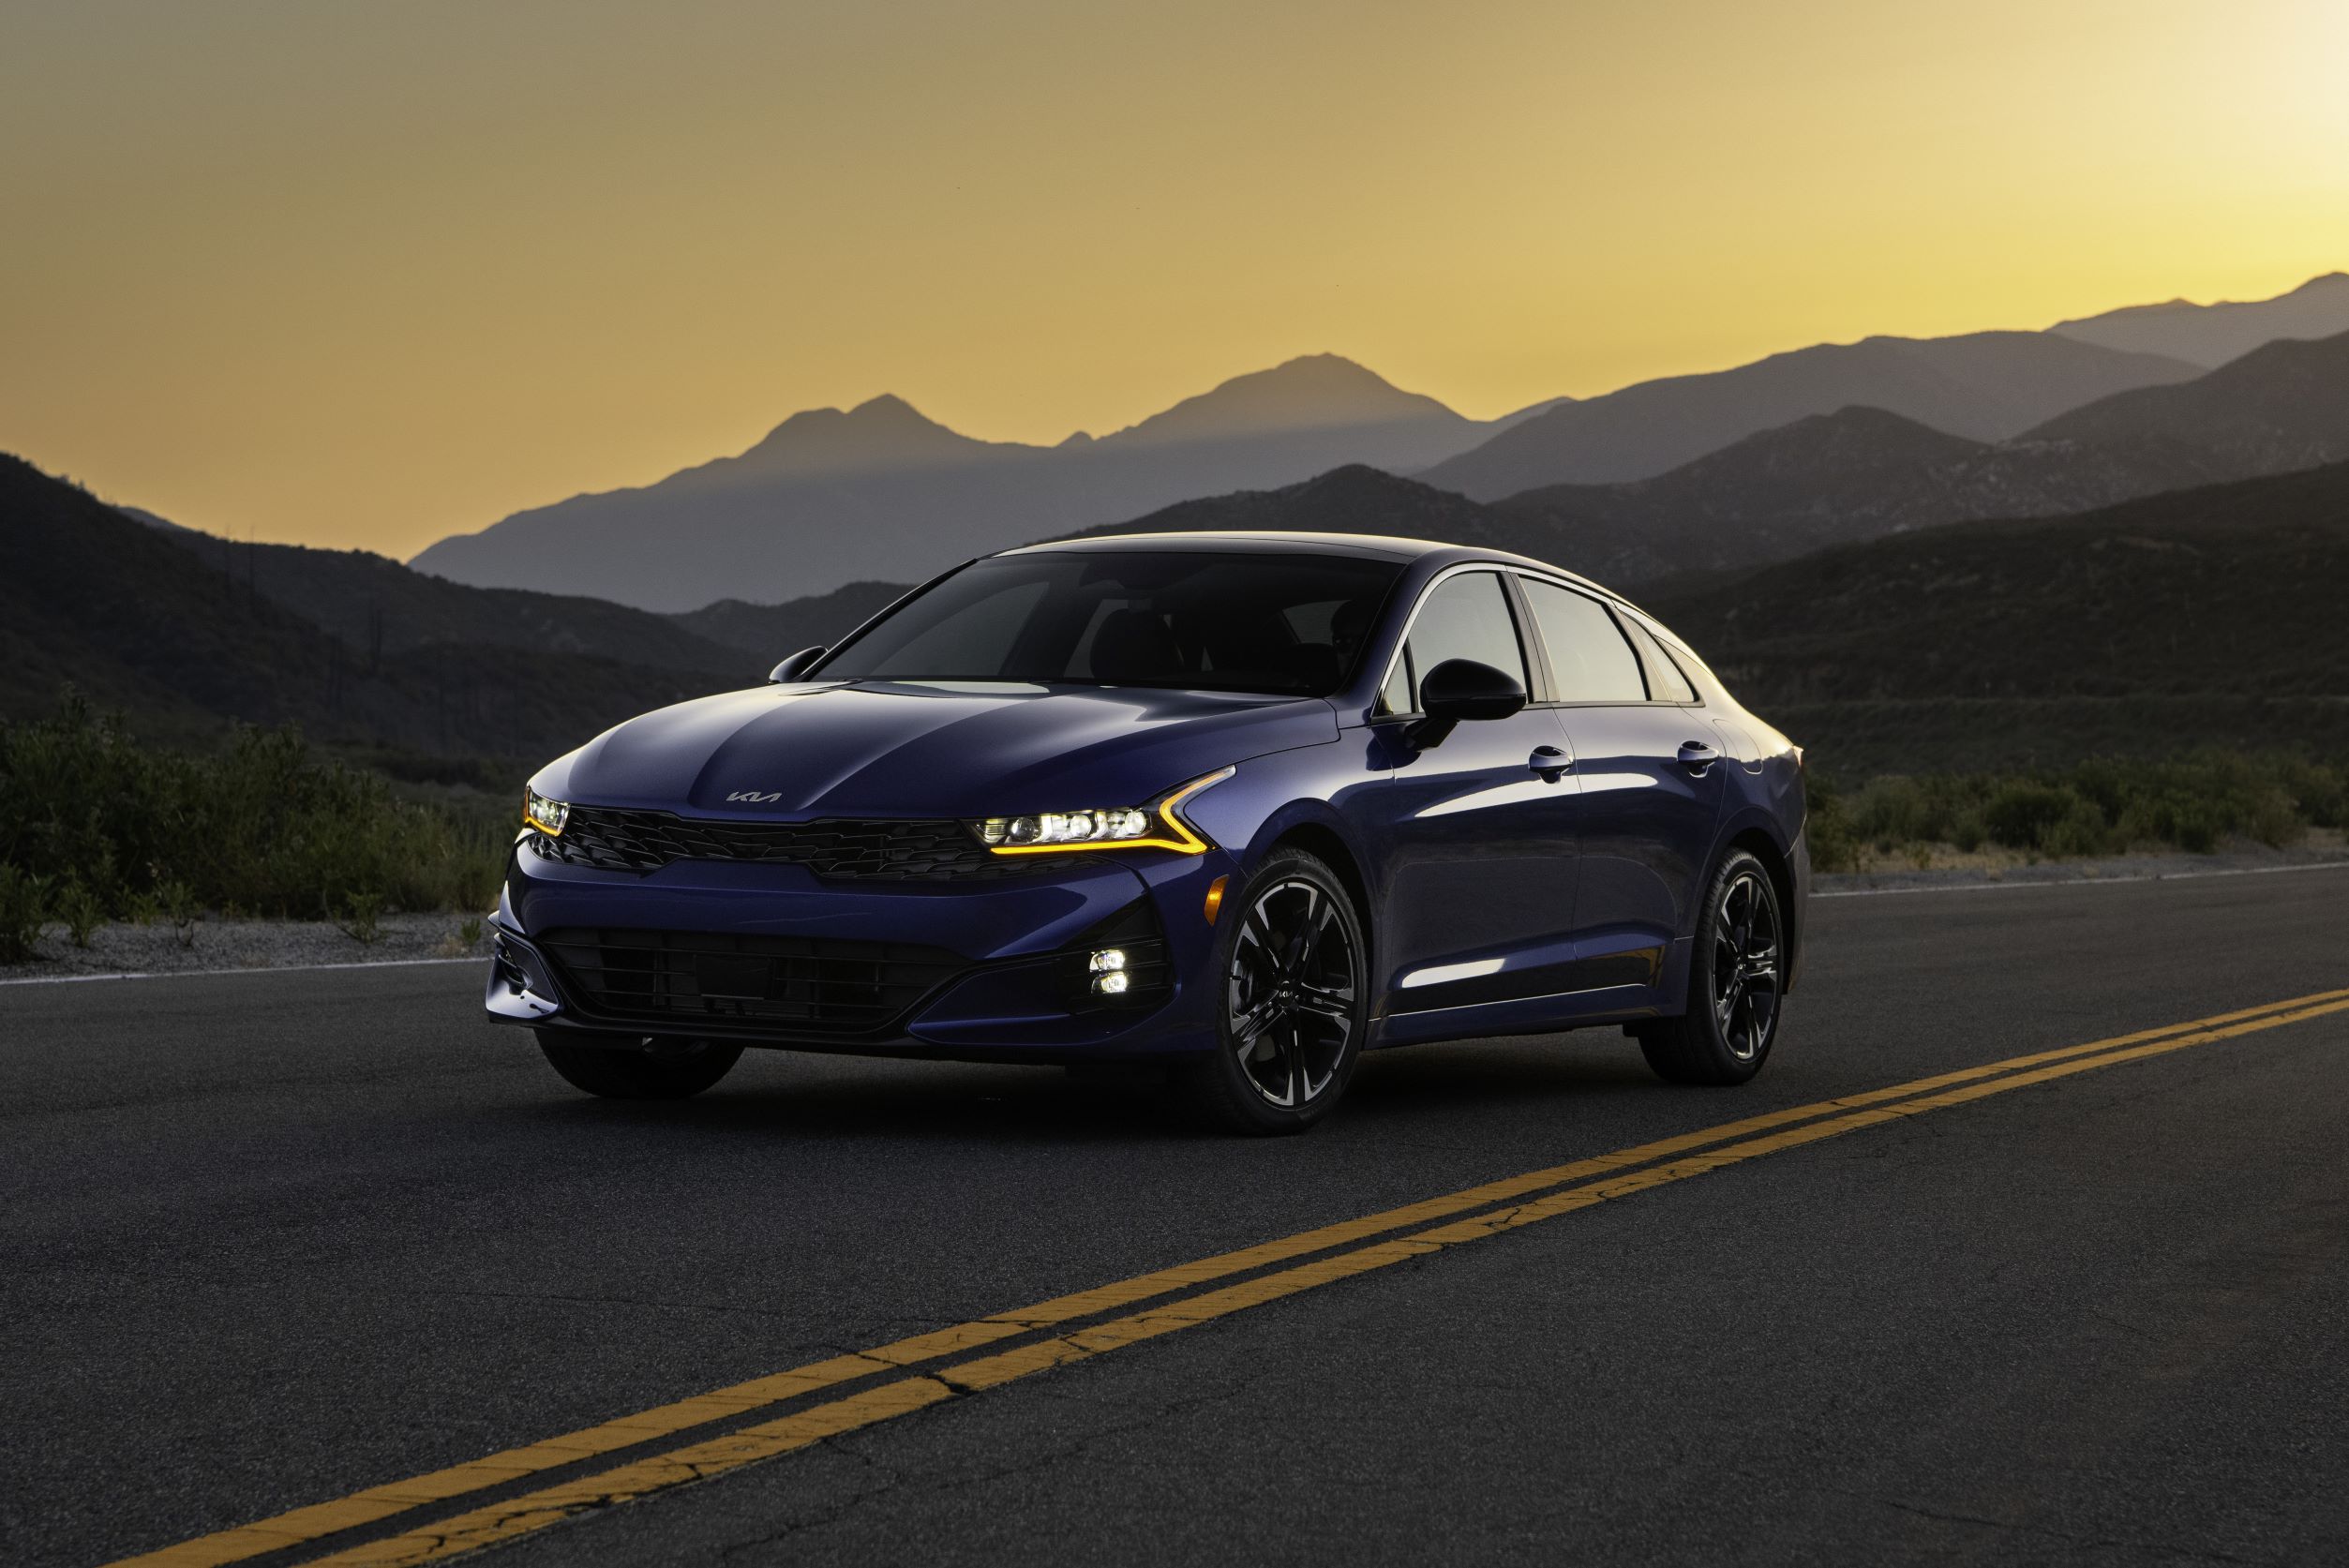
(1477, 831)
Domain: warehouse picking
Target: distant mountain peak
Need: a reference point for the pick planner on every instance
(880, 432)
(890, 405)
(1307, 393)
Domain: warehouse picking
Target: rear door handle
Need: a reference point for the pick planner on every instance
(1550, 763)
(1696, 756)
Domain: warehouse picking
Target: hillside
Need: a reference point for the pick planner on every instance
(1354, 499)
(376, 606)
(1984, 386)
(131, 616)
(2209, 614)
(1830, 479)
(2282, 406)
(765, 632)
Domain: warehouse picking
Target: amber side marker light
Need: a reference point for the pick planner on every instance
(1215, 898)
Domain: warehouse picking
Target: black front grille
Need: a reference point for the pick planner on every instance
(839, 850)
(805, 984)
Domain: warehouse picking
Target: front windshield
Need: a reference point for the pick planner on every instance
(1284, 624)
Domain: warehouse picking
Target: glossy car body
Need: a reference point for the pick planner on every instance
(809, 881)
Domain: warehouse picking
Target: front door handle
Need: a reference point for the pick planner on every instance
(1696, 756)
(1550, 762)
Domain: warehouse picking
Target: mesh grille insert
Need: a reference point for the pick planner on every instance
(813, 985)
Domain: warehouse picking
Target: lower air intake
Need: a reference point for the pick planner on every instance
(801, 985)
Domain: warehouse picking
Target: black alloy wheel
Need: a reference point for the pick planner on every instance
(1736, 983)
(1295, 987)
(1745, 962)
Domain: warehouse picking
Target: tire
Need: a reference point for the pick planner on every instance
(1292, 973)
(1736, 983)
(668, 1070)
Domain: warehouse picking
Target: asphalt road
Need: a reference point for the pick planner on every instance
(269, 1239)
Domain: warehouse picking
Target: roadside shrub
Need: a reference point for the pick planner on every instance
(262, 826)
(24, 909)
(81, 912)
(2099, 807)
(2020, 813)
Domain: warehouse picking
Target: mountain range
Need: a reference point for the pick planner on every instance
(1862, 472)
(831, 497)
(1855, 474)
(2210, 335)
(2197, 616)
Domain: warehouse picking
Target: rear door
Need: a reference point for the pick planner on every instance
(1476, 833)
(1652, 769)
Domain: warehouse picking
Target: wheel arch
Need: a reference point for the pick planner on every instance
(1764, 845)
(1327, 845)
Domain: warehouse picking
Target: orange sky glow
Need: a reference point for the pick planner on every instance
(367, 275)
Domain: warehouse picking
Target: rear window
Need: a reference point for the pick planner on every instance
(1588, 659)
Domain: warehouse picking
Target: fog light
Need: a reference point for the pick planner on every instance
(1112, 984)
(1107, 961)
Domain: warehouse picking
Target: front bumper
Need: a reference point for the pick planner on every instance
(1001, 975)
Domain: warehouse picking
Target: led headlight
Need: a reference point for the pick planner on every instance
(545, 816)
(1159, 825)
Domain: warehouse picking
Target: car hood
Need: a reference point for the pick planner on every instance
(882, 749)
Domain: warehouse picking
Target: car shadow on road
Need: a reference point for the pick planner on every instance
(817, 1097)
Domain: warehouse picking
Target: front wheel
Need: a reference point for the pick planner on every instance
(1736, 977)
(1292, 971)
(641, 1069)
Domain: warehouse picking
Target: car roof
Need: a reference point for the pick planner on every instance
(1372, 546)
(1251, 541)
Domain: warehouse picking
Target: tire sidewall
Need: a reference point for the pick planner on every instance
(1231, 1097)
(1730, 1067)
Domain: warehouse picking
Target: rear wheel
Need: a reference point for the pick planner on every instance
(646, 1069)
(1293, 969)
(1737, 976)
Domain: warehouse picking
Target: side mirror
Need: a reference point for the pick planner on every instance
(1461, 689)
(794, 666)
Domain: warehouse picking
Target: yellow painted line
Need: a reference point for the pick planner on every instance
(502, 1521)
(374, 1504)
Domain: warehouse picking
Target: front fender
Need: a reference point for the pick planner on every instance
(1270, 797)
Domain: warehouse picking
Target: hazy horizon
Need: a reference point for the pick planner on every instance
(372, 276)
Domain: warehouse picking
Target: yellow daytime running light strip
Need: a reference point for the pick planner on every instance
(1179, 836)
(531, 818)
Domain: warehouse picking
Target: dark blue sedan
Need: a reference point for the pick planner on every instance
(1242, 805)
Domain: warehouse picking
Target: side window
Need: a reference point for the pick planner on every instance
(1588, 659)
(1664, 680)
(1466, 616)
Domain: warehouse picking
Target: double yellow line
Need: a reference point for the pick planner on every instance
(1467, 1216)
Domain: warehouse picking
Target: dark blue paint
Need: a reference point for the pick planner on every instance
(1561, 897)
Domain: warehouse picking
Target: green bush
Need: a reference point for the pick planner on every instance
(2098, 807)
(2020, 813)
(261, 826)
(24, 908)
(82, 912)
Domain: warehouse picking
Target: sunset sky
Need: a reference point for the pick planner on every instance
(370, 274)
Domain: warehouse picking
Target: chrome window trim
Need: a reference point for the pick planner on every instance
(1621, 606)
(1496, 568)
